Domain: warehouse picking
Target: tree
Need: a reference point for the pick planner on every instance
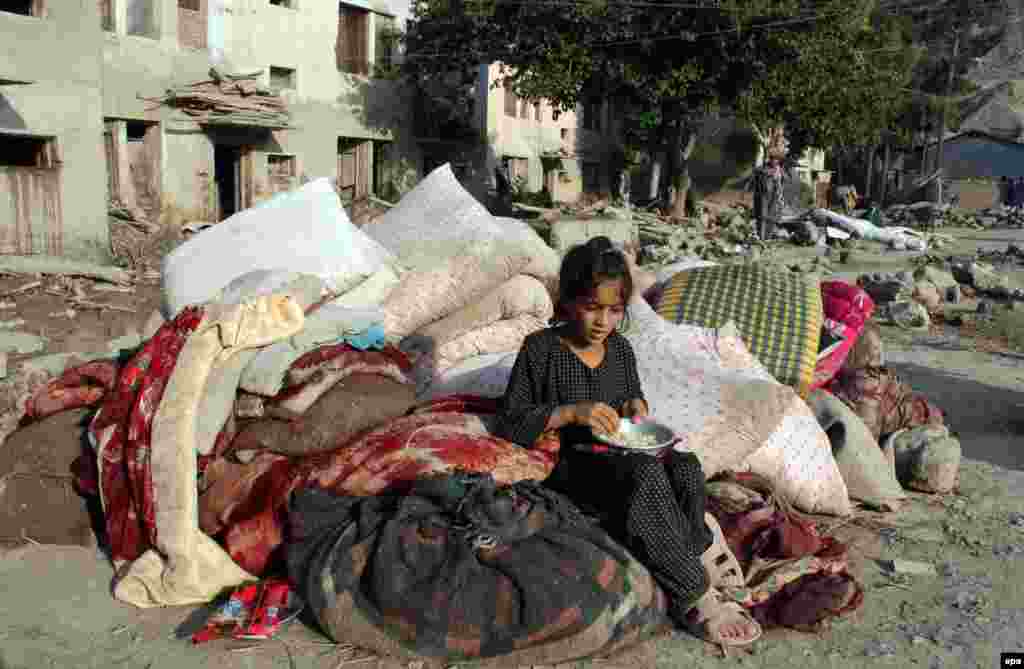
(674, 63)
(842, 82)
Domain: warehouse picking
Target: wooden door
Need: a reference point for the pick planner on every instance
(354, 159)
(246, 179)
(33, 221)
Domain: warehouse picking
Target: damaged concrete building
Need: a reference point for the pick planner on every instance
(194, 107)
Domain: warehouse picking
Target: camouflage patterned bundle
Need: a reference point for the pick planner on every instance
(461, 569)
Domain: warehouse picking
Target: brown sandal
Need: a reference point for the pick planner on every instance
(723, 568)
(706, 618)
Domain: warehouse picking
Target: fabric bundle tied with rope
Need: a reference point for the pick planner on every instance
(464, 569)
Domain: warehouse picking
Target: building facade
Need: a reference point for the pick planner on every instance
(96, 124)
(568, 153)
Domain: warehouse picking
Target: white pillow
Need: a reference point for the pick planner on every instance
(304, 231)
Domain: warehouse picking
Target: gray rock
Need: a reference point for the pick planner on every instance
(987, 280)
(953, 295)
(21, 342)
(880, 649)
(942, 279)
(950, 569)
(885, 287)
(1008, 550)
(965, 599)
(908, 567)
(910, 315)
(984, 308)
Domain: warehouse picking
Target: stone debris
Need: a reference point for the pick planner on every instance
(908, 567)
(880, 649)
(1008, 550)
(907, 314)
(21, 342)
(928, 215)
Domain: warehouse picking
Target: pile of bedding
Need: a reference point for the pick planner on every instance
(365, 373)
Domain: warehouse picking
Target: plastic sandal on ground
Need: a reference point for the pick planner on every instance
(707, 617)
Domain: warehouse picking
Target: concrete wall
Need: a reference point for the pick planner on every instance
(249, 35)
(65, 101)
(528, 138)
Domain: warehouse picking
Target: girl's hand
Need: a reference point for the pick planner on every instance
(598, 416)
(635, 409)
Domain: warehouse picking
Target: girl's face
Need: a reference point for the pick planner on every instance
(597, 315)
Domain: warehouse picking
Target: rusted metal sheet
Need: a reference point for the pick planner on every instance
(35, 224)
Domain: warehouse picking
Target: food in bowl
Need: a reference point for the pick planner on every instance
(647, 436)
(633, 439)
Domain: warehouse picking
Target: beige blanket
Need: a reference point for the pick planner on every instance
(497, 323)
(186, 566)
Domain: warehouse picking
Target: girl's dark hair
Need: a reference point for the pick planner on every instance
(587, 265)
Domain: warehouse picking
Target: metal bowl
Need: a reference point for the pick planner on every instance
(662, 433)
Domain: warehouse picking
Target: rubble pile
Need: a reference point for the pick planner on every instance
(229, 98)
(728, 234)
(928, 215)
(908, 299)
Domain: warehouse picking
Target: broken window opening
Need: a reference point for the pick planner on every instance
(141, 18)
(353, 46)
(280, 165)
(107, 15)
(591, 174)
(287, 4)
(536, 111)
(510, 100)
(516, 169)
(524, 109)
(136, 130)
(282, 78)
(22, 7)
(192, 5)
(382, 166)
(20, 151)
(592, 115)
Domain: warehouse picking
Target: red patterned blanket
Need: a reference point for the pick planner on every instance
(245, 505)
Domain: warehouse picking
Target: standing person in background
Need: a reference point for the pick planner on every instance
(1003, 188)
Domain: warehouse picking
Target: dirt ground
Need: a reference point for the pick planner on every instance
(56, 609)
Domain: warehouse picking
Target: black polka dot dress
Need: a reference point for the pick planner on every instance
(655, 507)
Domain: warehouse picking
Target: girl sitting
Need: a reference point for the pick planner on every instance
(579, 377)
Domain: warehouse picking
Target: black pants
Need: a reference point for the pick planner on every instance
(655, 508)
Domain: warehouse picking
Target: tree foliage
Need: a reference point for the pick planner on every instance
(812, 65)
